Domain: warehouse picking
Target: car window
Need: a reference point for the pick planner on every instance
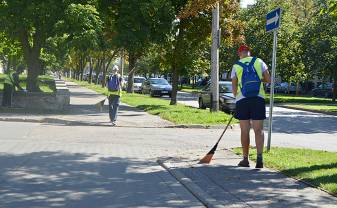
(159, 81)
(225, 88)
(138, 80)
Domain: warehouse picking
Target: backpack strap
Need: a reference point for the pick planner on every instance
(252, 62)
(241, 64)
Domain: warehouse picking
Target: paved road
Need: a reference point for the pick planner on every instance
(293, 128)
(92, 164)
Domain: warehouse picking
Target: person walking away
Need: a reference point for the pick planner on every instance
(247, 76)
(114, 85)
(11, 81)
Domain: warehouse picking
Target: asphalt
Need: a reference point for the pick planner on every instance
(82, 161)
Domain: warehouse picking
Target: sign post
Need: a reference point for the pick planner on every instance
(273, 23)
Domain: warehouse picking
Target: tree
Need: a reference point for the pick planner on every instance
(138, 24)
(33, 22)
(320, 48)
(10, 52)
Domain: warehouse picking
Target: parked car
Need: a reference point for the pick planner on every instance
(323, 90)
(137, 84)
(226, 97)
(157, 87)
(284, 87)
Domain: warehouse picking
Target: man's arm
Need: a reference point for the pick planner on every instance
(235, 85)
(266, 77)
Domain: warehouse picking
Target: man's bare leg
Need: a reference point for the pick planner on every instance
(259, 141)
(245, 141)
(259, 135)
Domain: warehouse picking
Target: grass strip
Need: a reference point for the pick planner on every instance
(178, 114)
(318, 168)
(46, 83)
(298, 99)
(330, 108)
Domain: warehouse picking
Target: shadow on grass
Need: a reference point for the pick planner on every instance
(319, 180)
(157, 108)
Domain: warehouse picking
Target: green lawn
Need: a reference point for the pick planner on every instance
(332, 108)
(278, 98)
(45, 83)
(319, 168)
(179, 114)
(188, 88)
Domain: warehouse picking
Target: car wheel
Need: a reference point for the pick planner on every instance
(151, 93)
(326, 95)
(201, 104)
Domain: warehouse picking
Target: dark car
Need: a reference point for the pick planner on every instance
(156, 87)
(323, 90)
(226, 97)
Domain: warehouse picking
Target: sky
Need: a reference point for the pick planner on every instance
(245, 2)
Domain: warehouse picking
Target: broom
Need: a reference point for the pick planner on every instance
(100, 104)
(208, 157)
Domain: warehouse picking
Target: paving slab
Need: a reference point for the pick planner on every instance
(229, 185)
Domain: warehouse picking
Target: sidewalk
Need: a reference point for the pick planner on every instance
(223, 184)
(82, 111)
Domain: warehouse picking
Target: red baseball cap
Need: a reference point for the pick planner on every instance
(243, 48)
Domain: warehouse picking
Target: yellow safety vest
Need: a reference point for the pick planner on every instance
(239, 71)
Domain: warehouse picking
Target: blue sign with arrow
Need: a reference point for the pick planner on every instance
(273, 20)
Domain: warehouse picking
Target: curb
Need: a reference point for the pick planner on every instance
(200, 126)
(195, 190)
(59, 121)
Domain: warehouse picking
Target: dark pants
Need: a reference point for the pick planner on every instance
(113, 107)
(8, 95)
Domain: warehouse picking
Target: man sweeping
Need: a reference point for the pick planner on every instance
(247, 77)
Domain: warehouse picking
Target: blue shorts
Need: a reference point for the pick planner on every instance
(253, 108)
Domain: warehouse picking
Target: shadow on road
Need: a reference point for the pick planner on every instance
(303, 122)
(59, 179)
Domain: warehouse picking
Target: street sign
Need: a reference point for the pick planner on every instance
(273, 23)
(273, 20)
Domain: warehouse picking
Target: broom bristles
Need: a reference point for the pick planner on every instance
(209, 156)
(206, 159)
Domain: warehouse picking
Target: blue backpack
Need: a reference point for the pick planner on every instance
(113, 83)
(250, 82)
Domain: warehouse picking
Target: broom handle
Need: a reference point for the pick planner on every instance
(225, 129)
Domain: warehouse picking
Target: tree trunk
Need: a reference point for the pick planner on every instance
(334, 85)
(297, 88)
(32, 58)
(132, 66)
(106, 70)
(175, 78)
(82, 66)
(90, 72)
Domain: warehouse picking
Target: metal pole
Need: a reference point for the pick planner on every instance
(122, 63)
(215, 59)
(271, 98)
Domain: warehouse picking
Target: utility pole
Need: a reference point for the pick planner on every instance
(122, 63)
(215, 59)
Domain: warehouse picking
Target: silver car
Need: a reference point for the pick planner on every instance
(157, 87)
